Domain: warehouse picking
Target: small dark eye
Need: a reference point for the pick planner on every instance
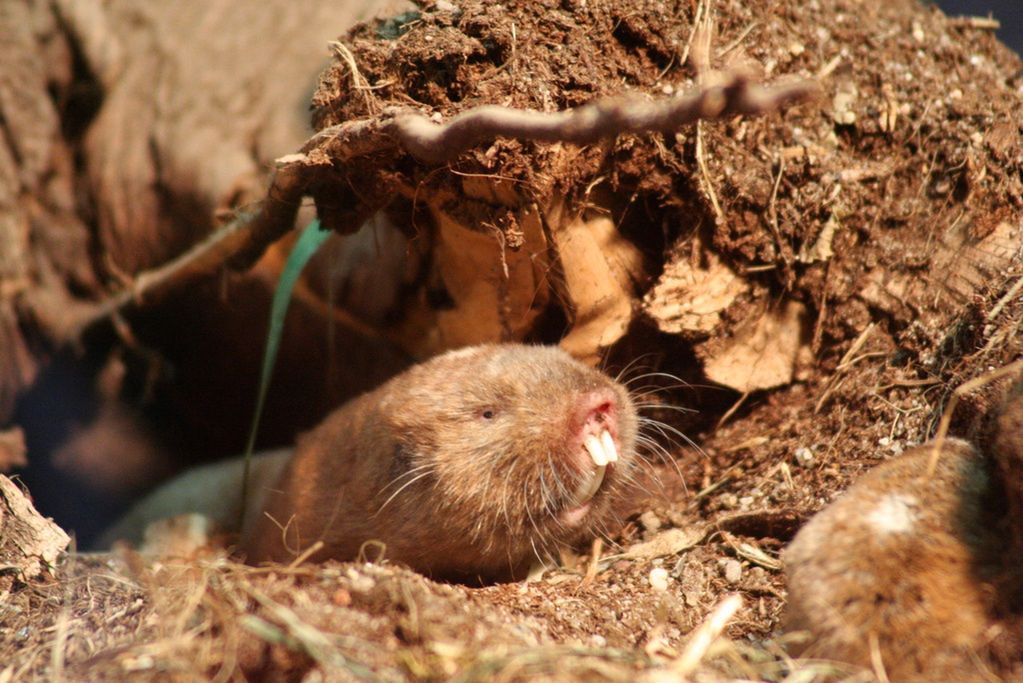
(488, 414)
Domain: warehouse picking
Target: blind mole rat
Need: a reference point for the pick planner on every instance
(471, 465)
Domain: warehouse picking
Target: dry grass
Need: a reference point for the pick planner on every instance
(116, 617)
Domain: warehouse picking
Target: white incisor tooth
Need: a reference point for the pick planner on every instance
(589, 485)
(596, 450)
(610, 452)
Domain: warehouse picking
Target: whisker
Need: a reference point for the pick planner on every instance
(666, 406)
(404, 474)
(563, 490)
(405, 486)
(504, 506)
(632, 364)
(650, 391)
(657, 450)
(678, 381)
(536, 553)
(663, 429)
(653, 446)
(544, 494)
(652, 475)
(529, 513)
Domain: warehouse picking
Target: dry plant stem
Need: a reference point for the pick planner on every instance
(240, 244)
(706, 634)
(313, 641)
(875, 659)
(996, 310)
(962, 390)
(848, 360)
(982, 23)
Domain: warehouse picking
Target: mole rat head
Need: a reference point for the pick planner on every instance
(526, 447)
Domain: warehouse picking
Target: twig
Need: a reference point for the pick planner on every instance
(1005, 300)
(701, 161)
(731, 411)
(982, 23)
(703, 37)
(830, 67)
(705, 635)
(962, 390)
(848, 360)
(306, 554)
(772, 208)
(237, 245)
(738, 40)
(697, 22)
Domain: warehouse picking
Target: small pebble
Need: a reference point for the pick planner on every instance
(650, 521)
(804, 456)
(659, 579)
(360, 583)
(341, 598)
(733, 571)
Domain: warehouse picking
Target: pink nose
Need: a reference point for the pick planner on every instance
(596, 411)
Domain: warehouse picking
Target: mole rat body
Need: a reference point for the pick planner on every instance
(917, 567)
(892, 571)
(471, 466)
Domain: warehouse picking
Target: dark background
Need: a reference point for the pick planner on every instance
(1009, 12)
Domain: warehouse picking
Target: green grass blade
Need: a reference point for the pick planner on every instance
(309, 242)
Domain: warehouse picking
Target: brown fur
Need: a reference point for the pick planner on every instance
(907, 560)
(1007, 447)
(488, 500)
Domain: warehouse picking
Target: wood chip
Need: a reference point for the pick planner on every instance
(599, 267)
(692, 293)
(29, 543)
(670, 542)
(763, 353)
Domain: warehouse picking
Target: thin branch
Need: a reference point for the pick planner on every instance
(960, 391)
(236, 245)
(590, 123)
